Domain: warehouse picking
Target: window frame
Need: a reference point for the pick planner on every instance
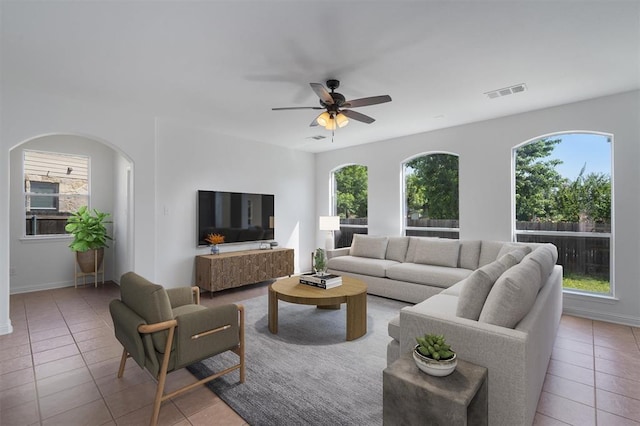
(403, 195)
(610, 235)
(26, 207)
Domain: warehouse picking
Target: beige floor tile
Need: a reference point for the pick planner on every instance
(45, 325)
(608, 419)
(566, 410)
(14, 364)
(68, 399)
(16, 378)
(195, 400)
(542, 420)
(48, 334)
(102, 354)
(130, 399)
(571, 372)
(626, 343)
(17, 395)
(618, 404)
(619, 385)
(59, 366)
(573, 345)
(219, 413)
(63, 381)
(629, 369)
(169, 416)
(84, 326)
(55, 354)
(569, 389)
(56, 342)
(24, 414)
(10, 352)
(110, 367)
(579, 336)
(93, 413)
(100, 342)
(93, 333)
(574, 358)
(112, 384)
(16, 338)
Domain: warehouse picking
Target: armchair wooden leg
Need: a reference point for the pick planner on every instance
(241, 348)
(162, 378)
(123, 361)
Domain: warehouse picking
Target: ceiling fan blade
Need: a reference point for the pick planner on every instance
(357, 116)
(373, 100)
(287, 108)
(314, 122)
(322, 93)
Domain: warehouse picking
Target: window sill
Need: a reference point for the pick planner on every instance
(45, 238)
(595, 297)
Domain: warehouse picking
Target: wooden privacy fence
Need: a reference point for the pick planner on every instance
(580, 255)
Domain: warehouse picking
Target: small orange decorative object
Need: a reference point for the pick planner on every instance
(215, 239)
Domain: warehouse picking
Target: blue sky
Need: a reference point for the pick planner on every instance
(579, 148)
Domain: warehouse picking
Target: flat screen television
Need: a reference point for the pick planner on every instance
(238, 216)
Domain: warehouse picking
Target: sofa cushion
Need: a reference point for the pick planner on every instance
(469, 254)
(439, 304)
(394, 327)
(360, 265)
(521, 250)
(478, 285)
(455, 289)
(545, 257)
(368, 246)
(413, 243)
(439, 252)
(437, 276)
(489, 252)
(397, 248)
(512, 296)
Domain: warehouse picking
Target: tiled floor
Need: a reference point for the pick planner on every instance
(59, 367)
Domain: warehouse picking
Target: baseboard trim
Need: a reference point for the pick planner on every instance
(6, 328)
(41, 287)
(603, 316)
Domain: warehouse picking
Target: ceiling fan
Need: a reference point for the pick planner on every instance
(336, 112)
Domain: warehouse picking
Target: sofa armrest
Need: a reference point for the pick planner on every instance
(338, 252)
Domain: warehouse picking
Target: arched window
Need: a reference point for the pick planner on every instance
(562, 195)
(431, 195)
(349, 201)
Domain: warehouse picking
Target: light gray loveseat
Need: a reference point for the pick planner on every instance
(498, 304)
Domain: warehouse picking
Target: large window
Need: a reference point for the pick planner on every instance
(431, 196)
(563, 192)
(350, 200)
(55, 185)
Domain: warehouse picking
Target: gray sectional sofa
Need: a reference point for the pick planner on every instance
(498, 303)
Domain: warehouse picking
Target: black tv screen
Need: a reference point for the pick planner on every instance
(237, 216)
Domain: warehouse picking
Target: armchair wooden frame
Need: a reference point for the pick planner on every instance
(171, 326)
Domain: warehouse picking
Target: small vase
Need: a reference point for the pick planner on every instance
(215, 249)
(432, 367)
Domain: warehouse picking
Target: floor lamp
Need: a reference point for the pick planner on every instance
(329, 224)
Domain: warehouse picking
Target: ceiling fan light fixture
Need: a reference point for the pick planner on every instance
(331, 124)
(323, 119)
(342, 120)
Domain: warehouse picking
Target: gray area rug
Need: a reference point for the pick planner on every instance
(307, 373)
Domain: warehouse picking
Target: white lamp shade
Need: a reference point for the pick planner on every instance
(342, 120)
(329, 223)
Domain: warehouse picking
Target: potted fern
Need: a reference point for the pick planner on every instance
(434, 356)
(89, 237)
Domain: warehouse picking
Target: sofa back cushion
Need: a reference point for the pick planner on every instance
(478, 285)
(413, 244)
(469, 254)
(520, 250)
(397, 248)
(438, 252)
(545, 257)
(512, 296)
(368, 246)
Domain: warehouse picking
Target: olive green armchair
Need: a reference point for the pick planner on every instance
(165, 330)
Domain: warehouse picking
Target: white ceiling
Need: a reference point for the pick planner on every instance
(224, 64)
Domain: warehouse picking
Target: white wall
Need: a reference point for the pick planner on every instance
(53, 258)
(122, 217)
(485, 183)
(190, 159)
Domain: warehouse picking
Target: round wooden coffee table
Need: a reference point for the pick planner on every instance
(353, 292)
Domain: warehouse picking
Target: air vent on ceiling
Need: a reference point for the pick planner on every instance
(506, 91)
(317, 137)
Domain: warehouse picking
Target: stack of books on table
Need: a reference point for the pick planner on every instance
(322, 281)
